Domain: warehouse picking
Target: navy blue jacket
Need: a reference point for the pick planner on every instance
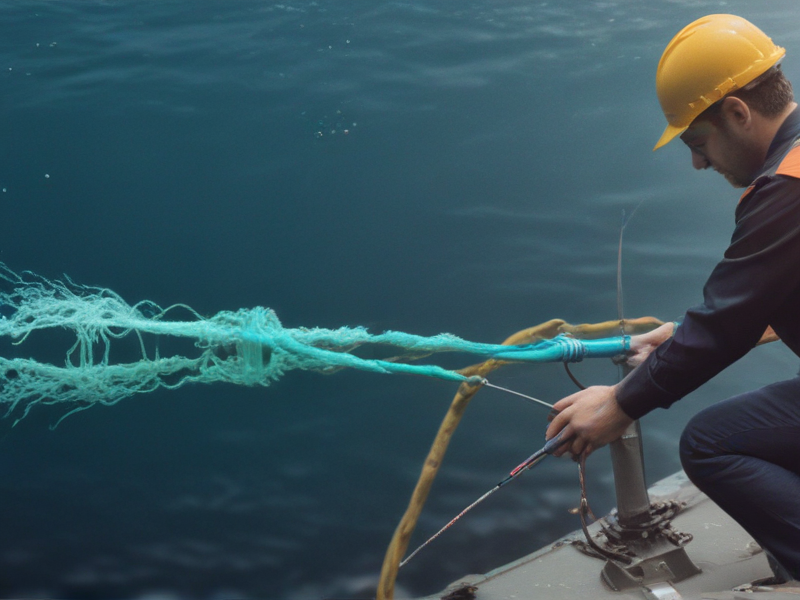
(756, 284)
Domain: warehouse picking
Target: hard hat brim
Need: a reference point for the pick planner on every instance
(670, 133)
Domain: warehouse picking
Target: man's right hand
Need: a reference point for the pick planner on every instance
(591, 417)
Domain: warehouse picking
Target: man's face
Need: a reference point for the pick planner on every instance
(716, 145)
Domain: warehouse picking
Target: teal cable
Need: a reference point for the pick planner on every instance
(243, 347)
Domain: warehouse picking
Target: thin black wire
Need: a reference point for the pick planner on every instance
(574, 379)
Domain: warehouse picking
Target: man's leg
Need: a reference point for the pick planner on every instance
(744, 453)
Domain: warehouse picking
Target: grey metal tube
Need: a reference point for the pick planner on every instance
(627, 459)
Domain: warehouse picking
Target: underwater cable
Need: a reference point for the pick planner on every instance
(245, 347)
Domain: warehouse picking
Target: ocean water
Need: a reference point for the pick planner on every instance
(423, 166)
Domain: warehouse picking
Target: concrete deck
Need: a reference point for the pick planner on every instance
(725, 553)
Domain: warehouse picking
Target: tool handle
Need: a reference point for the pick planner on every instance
(555, 442)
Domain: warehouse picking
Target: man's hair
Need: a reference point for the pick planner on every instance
(768, 94)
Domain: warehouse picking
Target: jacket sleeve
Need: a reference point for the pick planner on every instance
(759, 271)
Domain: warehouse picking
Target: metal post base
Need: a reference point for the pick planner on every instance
(672, 565)
(652, 552)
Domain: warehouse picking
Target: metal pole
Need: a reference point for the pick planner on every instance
(627, 459)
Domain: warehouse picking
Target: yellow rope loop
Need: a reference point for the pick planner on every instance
(549, 329)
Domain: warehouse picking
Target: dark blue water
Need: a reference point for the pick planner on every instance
(421, 166)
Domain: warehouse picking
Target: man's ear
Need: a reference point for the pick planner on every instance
(736, 112)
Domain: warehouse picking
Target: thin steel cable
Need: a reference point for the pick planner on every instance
(502, 389)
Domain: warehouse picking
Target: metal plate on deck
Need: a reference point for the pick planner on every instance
(661, 591)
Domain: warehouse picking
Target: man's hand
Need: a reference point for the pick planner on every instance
(642, 345)
(592, 418)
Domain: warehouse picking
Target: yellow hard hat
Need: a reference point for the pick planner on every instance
(707, 60)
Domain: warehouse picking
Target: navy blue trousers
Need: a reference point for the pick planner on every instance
(744, 453)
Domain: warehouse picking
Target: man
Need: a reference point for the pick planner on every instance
(723, 93)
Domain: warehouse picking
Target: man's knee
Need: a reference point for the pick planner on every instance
(695, 452)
